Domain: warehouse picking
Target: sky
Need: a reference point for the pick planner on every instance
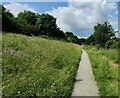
(77, 17)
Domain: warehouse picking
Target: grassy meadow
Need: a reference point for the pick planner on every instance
(34, 66)
(105, 69)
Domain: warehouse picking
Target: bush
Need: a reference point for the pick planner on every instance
(113, 43)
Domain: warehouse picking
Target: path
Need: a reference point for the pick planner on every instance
(85, 84)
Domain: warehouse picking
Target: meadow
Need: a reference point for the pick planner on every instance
(35, 66)
(105, 68)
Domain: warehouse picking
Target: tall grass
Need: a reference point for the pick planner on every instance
(106, 74)
(0, 64)
(34, 66)
(111, 54)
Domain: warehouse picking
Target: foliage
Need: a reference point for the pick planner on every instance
(102, 33)
(47, 26)
(82, 41)
(72, 38)
(8, 23)
(29, 16)
(34, 66)
(46, 23)
(90, 40)
(104, 69)
(30, 23)
(119, 52)
(112, 43)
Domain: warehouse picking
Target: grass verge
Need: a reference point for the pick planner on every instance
(106, 74)
(34, 66)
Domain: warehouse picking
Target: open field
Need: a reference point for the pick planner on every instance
(105, 69)
(34, 66)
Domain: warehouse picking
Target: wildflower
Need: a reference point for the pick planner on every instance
(51, 86)
(53, 83)
(18, 92)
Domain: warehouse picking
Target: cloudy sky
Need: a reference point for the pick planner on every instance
(77, 17)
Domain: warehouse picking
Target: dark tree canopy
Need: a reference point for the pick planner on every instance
(8, 23)
(30, 23)
(46, 24)
(29, 16)
(72, 38)
(102, 33)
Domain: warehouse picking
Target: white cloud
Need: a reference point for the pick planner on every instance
(79, 17)
(114, 22)
(15, 8)
(116, 12)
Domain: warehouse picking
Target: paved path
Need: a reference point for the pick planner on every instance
(85, 84)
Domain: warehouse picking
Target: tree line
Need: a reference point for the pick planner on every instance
(34, 24)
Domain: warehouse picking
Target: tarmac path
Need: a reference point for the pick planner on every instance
(85, 84)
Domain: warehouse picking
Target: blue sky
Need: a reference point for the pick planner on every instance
(42, 7)
(78, 18)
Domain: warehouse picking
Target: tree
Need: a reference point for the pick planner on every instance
(30, 23)
(102, 33)
(71, 38)
(46, 24)
(58, 33)
(82, 41)
(22, 26)
(113, 43)
(8, 21)
(29, 16)
(90, 40)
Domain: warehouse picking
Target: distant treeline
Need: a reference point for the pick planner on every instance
(34, 24)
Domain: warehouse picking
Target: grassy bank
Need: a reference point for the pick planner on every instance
(34, 66)
(105, 68)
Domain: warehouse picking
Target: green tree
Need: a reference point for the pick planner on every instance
(82, 41)
(103, 33)
(69, 36)
(72, 38)
(8, 22)
(29, 16)
(46, 24)
(90, 40)
(5, 11)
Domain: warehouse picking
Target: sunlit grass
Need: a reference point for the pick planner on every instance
(106, 74)
(34, 66)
